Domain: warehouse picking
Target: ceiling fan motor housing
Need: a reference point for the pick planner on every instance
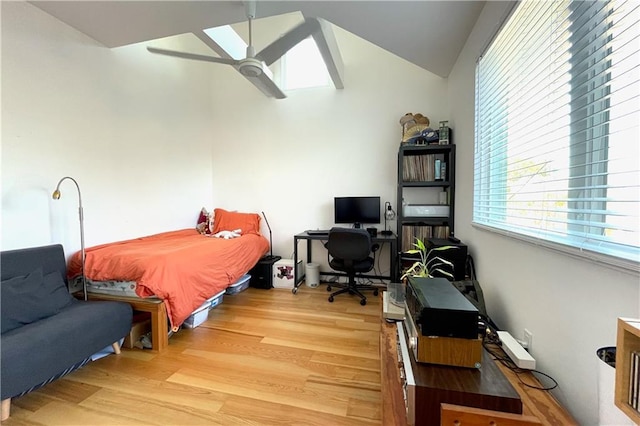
(250, 67)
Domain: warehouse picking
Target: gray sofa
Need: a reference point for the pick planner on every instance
(46, 333)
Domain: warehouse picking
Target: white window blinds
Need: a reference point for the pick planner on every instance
(557, 152)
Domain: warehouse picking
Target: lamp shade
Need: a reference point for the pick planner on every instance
(389, 213)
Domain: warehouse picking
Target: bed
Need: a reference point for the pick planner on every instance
(181, 268)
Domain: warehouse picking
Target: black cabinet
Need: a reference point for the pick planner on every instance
(261, 274)
(426, 193)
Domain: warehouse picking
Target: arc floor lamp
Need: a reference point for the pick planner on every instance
(56, 196)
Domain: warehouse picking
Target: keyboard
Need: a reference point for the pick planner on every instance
(318, 231)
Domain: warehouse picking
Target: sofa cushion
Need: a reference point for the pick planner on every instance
(32, 297)
(43, 349)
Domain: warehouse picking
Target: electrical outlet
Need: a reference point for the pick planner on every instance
(528, 338)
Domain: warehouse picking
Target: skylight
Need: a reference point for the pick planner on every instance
(303, 67)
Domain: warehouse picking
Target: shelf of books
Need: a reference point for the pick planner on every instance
(627, 390)
(425, 168)
(422, 232)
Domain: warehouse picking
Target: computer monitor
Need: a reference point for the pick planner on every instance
(356, 210)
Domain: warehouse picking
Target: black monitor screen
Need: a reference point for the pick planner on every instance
(357, 210)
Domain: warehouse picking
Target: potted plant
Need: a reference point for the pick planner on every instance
(429, 265)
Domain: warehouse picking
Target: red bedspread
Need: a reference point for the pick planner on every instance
(184, 268)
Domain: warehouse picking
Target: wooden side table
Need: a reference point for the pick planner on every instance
(159, 327)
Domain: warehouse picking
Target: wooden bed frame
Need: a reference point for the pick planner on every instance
(159, 327)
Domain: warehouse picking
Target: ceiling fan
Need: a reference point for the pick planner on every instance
(254, 65)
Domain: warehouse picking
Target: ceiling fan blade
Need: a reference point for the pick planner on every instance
(194, 56)
(224, 41)
(266, 86)
(275, 50)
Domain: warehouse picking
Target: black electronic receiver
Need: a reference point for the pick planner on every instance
(439, 309)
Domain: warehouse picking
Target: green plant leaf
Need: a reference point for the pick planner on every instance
(427, 262)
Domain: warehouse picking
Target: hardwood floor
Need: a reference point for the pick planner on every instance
(263, 357)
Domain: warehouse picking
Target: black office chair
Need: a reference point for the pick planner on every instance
(349, 251)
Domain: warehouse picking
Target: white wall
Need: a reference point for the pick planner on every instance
(152, 139)
(570, 305)
(134, 133)
(291, 157)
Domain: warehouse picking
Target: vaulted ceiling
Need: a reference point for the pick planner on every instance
(429, 34)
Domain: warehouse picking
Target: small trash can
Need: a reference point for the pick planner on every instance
(312, 275)
(608, 413)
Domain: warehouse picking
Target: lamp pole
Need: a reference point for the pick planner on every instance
(56, 196)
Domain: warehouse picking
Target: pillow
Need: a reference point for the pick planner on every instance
(32, 297)
(56, 290)
(205, 221)
(248, 223)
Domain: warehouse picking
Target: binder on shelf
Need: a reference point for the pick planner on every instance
(634, 380)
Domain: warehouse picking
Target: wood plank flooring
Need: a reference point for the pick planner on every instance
(263, 357)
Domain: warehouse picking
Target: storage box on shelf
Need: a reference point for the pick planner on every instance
(627, 377)
(241, 285)
(140, 325)
(283, 274)
(201, 314)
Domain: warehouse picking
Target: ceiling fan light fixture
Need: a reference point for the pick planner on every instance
(250, 67)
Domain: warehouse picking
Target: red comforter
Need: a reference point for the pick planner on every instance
(184, 268)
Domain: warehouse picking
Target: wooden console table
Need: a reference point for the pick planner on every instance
(536, 403)
(159, 327)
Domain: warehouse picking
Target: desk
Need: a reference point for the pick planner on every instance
(379, 239)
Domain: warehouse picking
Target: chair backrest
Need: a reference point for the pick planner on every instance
(349, 244)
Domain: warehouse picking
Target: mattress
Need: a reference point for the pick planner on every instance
(112, 288)
(183, 268)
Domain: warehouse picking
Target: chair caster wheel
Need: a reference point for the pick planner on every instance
(294, 290)
(363, 302)
(328, 288)
(375, 292)
(331, 299)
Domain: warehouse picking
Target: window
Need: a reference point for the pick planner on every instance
(303, 67)
(557, 150)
